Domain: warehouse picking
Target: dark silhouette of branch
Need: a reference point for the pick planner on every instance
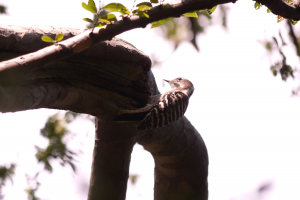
(284, 8)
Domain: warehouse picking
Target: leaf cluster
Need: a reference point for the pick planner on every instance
(33, 186)
(141, 10)
(281, 66)
(48, 39)
(103, 18)
(55, 131)
(5, 174)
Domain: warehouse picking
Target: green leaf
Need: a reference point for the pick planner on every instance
(268, 10)
(88, 20)
(144, 6)
(257, 5)
(154, 1)
(140, 13)
(191, 14)
(274, 72)
(103, 13)
(117, 7)
(109, 18)
(293, 21)
(160, 22)
(90, 6)
(46, 38)
(210, 11)
(100, 24)
(59, 37)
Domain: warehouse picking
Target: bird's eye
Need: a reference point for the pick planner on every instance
(179, 79)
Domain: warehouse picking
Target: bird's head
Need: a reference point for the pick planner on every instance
(182, 84)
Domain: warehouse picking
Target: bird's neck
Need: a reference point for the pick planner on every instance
(188, 91)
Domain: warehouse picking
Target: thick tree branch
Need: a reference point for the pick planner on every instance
(111, 159)
(41, 58)
(284, 8)
(86, 39)
(98, 81)
(29, 67)
(181, 162)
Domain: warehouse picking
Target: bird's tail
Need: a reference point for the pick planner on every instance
(133, 115)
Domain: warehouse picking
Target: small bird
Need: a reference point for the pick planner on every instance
(165, 108)
(171, 106)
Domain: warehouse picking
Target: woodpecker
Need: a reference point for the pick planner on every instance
(166, 109)
(171, 106)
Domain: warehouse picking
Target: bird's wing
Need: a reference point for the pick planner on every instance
(171, 107)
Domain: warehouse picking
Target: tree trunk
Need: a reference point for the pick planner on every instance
(111, 159)
(181, 162)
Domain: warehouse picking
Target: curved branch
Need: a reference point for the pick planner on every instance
(111, 158)
(181, 161)
(98, 81)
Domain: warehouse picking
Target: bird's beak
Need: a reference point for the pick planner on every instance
(166, 80)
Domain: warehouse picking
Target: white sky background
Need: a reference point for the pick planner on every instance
(247, 118)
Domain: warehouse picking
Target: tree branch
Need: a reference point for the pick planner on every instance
(86, 39)
(98, 81)
(289, 10)
(111, 158)
(181, 161)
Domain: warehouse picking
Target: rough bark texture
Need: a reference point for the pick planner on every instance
(98, 81)
(111, 159)
(103, 78)
(181, 162)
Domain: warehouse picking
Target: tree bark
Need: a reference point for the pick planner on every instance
(111, 159)
(284, 8)
(100, 83)
(103, 78)
(181, 162)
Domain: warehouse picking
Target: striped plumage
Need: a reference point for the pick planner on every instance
(171, 106)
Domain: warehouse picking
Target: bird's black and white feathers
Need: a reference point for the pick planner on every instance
(170, 107)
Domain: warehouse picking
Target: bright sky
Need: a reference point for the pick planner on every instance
(247, 118)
